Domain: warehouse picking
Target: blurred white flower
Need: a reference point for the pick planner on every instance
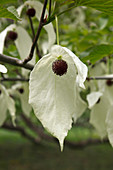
(21, 90)
(100, 102)
(3, 69)
(55, 98)
(23, 43)
(6, 104)
(38, 6)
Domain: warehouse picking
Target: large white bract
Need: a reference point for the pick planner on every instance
(55, 99)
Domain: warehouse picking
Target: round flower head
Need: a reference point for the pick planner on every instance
(53, 97)
(31, 12)
(12, 35)
(59, 67)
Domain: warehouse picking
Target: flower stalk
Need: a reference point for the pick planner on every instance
(41, 24)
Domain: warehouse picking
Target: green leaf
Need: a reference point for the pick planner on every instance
(105, 6)
(8, 13)
(13, 10)
(98, 52)
(5, 2)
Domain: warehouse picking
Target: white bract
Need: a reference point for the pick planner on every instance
(38, 6)
(23, 43)
(3, 69)
(100, 102)
(109, 124)
(6, 104)
(21, 91)
(55, 98)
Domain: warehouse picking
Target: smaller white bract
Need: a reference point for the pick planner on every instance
(6, 103)
(101, 103)
(21, 91)
(3, 69)
(55, 99)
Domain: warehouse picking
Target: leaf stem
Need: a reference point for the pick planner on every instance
(57, 31)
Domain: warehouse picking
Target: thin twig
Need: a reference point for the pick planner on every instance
(13, 79)
(99, 78)
(49, 8)
(15, 62)
(33, 33)
(41, 23)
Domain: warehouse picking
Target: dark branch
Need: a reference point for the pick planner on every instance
(85, 143)
(37, 130)
(33, 33)
(22, 131)
(13, 79)
(15, 62)
(49, 8)
(41, 23)
(99, 78)
(76, 145)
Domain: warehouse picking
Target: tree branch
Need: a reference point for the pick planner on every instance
(13, 79)
(37, 130)
(41, 23)
(75, 145)
(22, 131)
(85, 143)
(15, 62)
(99, 78)
(49, 8)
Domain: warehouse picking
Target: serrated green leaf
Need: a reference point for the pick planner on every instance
(101, 5)
(13, 10)
(98, 52)
(4, 13)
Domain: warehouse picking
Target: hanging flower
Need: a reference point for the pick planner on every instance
(22, 41)
(54, 84)
(100, 102)
(6, 104)
(38, 7)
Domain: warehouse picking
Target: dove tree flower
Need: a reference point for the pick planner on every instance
(100, 103)
(23, 42)
(54, 96)
(38, 6)
(6, 104)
